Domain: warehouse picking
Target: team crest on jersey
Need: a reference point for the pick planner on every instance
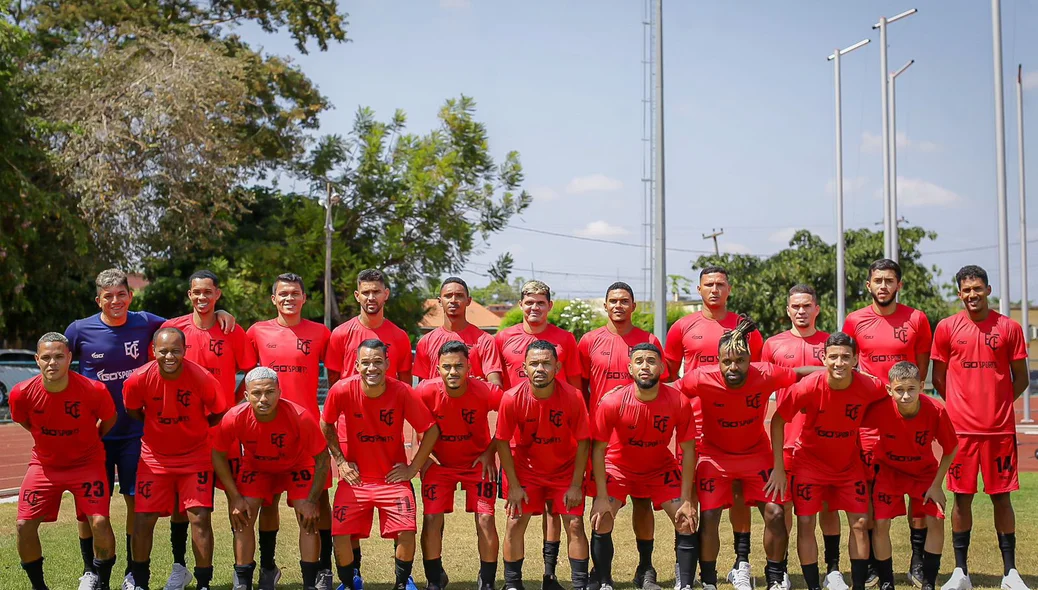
(144, 489)
(340, 513)
(820, 353)
(386, 416)
(955, 471)
(216, 347)
(660, 422)
(132, 349)
(31, 497)
(555, 417)
(303, 345)
(852, 411)
(278, 440)
(184, 397)
(804, 491)
(753, 401)
(992, 340)
(901, 334)
(707, 485)
(72, 409)
(469, 416)
(921, 436)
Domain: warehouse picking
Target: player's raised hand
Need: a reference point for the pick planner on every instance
(936, 494)
(307, 513)
(401, 472)
(574, 496)
(775, 488)
(348, 472)
(600, 509)
(486, 459)
(514, 502)
(240, 517)
(688, 514)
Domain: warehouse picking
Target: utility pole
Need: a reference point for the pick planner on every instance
(717, 250)
(1024, 303)
(659, 277)
(895, 244)
(1000, 161)
(329, 296)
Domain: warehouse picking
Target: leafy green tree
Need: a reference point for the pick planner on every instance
(501, 268)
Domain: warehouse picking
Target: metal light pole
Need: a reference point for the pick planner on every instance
(328, 295)
(895, 246)
(888, 245)
(841, 270)
(1000, 160)
(1024, 304)
(660, 241)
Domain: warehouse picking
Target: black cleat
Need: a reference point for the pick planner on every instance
(646, 580)
(551, 583)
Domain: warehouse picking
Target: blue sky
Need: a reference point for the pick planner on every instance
(749, 116)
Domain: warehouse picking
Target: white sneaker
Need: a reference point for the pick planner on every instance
(787, 584)
(688, 587)
(834, 581)
(778, 586)
(179, 578)
(677, 577)
(706, 587)
(740, 577)
(87, 581)
(958, 581)
(605, 586)
(129, 584)
(1013, 581)
(325, 580)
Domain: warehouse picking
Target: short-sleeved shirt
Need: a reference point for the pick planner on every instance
(342, 349)
(828, 445)
(906, 444)
(463, 420)
(288, 442)
(790, 350)
(604, 357)
(484, 358)
(295, 353)
(639, 433)
(978, 388)
(513, 342)
(733, 419)
(110, 353)
(544, 432)
(176, 411)
(884, 341)
(694, 338)
(64, 423)
(375, 426)
(221, 354)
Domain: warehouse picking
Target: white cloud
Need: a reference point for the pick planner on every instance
(601, 229)
(593, 183)
(873, 143)
(543, 193)
(913, 192)
(850, 185)
(783, 236)
(454, 4)
(1030, 80)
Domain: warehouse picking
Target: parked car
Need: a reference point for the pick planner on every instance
(15, 366)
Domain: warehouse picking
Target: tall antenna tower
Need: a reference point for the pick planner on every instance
(648, 146)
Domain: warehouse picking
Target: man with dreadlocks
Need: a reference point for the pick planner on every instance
(735, 446)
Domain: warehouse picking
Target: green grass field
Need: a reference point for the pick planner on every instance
(62, 563)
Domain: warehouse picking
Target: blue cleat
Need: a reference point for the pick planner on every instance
(410, 584)
(341, 587)
(358, 581)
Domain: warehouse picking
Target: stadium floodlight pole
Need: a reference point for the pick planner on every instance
(659, 277)
(887, 218)
(841, 270)
(895, 246)
(329, 296)
(1025, 306)
(1000, 161)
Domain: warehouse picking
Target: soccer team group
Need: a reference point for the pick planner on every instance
(681, 428)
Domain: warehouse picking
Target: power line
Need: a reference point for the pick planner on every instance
(601, 240)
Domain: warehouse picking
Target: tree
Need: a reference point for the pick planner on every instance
(679, 284)
(760, 287)
(501, 268)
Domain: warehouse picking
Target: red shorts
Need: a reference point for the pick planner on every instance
(888, 495)
(354, 509)
(813, 496)
(40, 495)
(660, 488)
(542, 496)
(296, 482)
(994, 457)
(439, 484)
(715, 485)
(161, 493)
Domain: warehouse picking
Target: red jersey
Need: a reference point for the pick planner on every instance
(906, 444)
(545, 431)
(484, 358)
(978, 390)
(694, 338)
(789, 350)
(375, 426)
(884, 341)
(464, 427)
(63, 424)
(288, 442)
(733, 419)
(513, 342)
(342, 349)
(643, 430)
(828, 446)
(296, 354)
(176, 429)
(221, 354)
(604, 357)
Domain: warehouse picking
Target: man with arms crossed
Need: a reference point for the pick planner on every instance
(294, 348)
(691, 343)
(177, 401)
(980, 368)
(67, 415)
(547, 421)
(373, 470)
(285, 451)
(535, 301)
(484, 357)
(464, 454)
(827, 464)
(631, 456)
(804, 345)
